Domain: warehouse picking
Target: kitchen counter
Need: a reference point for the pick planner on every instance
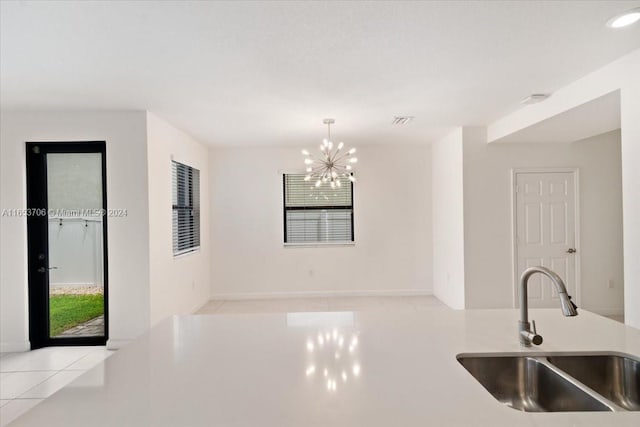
(324, 369)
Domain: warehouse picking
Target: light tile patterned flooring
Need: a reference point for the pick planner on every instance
(288, 305)
(28, 378)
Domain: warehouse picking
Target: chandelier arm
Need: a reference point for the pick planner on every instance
(335, 158)
(344, 156)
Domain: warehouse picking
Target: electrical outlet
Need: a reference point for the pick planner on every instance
(611, 284)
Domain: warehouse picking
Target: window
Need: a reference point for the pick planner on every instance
(186, 208)
(317, 215)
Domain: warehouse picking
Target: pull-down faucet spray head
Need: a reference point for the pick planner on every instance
(568, 307)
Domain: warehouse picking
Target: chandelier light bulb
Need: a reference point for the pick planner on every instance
(353, 150)
(305, 153)
(308, 161)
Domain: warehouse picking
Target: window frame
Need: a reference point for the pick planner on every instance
(286, 208)
(193, 206)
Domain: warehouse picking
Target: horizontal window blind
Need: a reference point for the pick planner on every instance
(317, 215)
(186, 208)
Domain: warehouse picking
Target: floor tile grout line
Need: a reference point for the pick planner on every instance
(36, 385)
(27, 398)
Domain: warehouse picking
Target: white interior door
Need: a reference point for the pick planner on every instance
(546, 230)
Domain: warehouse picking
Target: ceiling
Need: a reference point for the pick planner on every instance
(267, 73)
(595, 117)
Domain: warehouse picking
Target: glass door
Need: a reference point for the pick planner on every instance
(66, 200)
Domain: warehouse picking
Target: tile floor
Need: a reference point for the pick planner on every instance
(288, 305)
(28, 378)
(617, 317)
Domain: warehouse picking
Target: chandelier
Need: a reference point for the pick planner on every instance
(332, 164)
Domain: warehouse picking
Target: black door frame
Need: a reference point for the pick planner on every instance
(38, 241)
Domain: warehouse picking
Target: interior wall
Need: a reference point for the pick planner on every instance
(630, 120)
(179, 285)
(392, 222)
(448, 220)
(128, 237)
(488, 216)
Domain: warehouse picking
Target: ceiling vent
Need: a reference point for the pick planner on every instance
(535, 98)
(402, 120)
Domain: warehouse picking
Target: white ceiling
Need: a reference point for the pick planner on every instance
(254, 73)
(595, 117)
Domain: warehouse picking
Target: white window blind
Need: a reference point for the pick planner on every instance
(186, 208)
(317, 215)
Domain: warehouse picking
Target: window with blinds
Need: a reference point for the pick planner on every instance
(186, 208)
(317, 215)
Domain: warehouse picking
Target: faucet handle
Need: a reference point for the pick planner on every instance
(535, 338)
(573, 303)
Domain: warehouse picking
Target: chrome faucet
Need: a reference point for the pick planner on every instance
(568, 307)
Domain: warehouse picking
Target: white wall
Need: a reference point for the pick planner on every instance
(448, 220)
(128, 239)
(630, 119)
(178, 285)
(392, 207)
(488, 215)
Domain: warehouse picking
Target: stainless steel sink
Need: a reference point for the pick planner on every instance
(615, 377)
(531, 384)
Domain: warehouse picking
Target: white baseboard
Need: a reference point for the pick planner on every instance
(198, 306)
(606, 311)
(16, 346)
(116, 344)
(322, 294)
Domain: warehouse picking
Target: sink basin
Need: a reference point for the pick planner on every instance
(615, 377)
(530, 384)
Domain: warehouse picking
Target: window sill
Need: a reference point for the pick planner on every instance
(186, 253)
(318, 244)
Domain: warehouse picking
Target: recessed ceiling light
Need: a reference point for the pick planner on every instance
(401, 120)
(624, 19)
(535, 98)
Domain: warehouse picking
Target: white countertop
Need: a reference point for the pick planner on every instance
(255, 370)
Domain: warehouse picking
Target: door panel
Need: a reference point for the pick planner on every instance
(66, 193)
(545, 230)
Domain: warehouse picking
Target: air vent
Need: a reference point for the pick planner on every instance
(535, 98)
(401, 120)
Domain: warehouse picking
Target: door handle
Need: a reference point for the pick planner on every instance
(43, 269)
(571, 250)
